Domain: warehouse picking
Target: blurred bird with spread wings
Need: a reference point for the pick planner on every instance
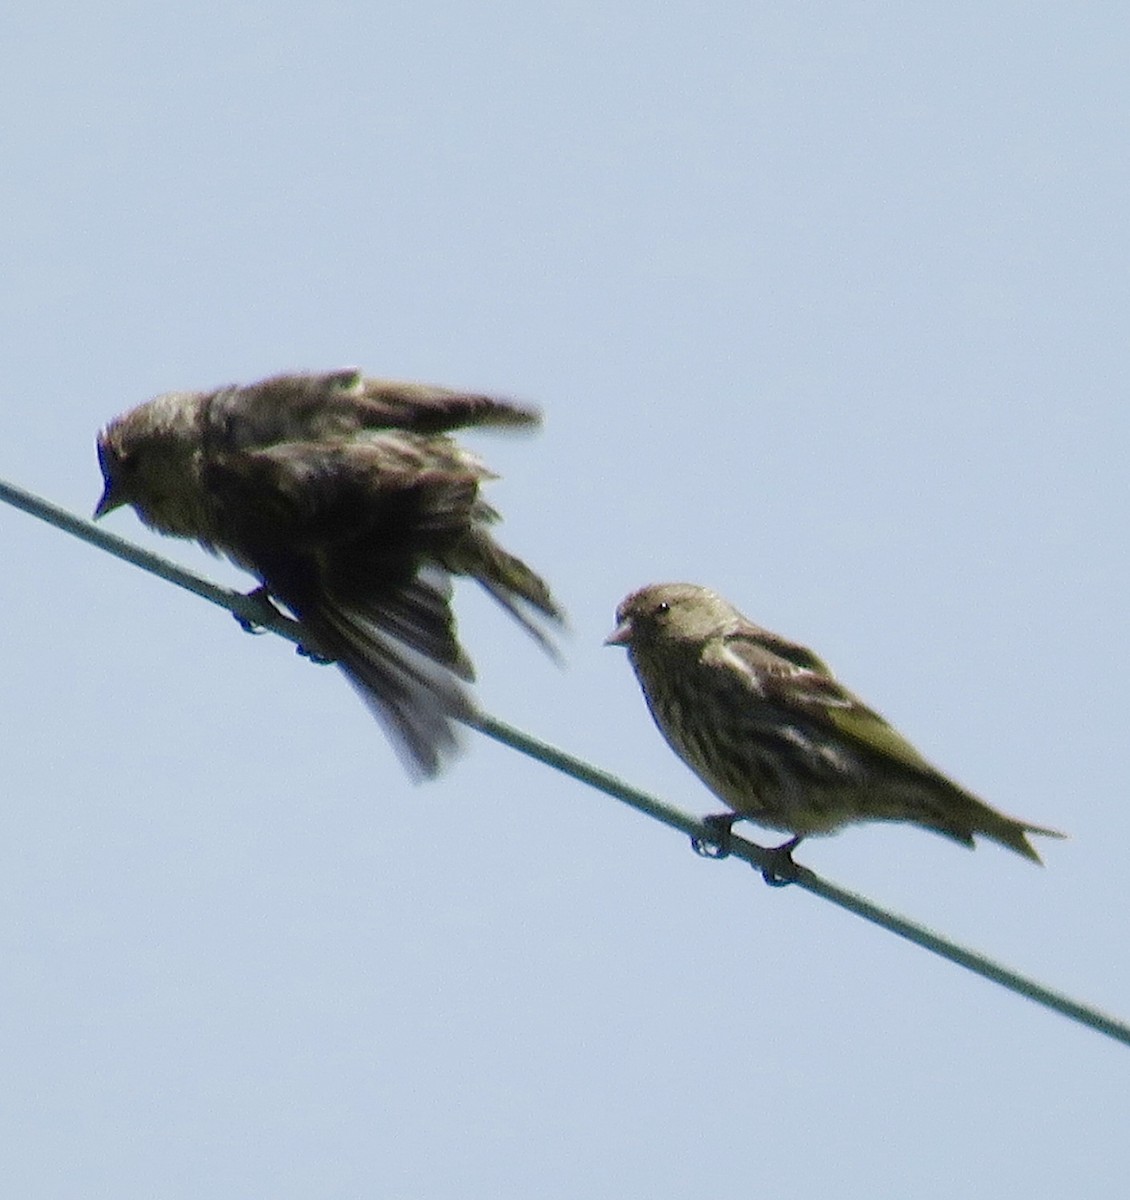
(769, 729)
(348, 500)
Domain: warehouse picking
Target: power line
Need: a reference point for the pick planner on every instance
(251, 612)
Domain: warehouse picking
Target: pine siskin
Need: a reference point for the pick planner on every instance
(766, 726)
(346, 498)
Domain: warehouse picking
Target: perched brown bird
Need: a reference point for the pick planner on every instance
(766, 726)
(348, 500)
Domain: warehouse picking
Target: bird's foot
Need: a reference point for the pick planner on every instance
(265, 612)
(780, 870)
(313, 655)
(266, 615)
(717, 845)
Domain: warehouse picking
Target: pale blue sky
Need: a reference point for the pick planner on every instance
(827, 307)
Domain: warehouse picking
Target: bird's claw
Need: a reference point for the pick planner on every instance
(717, 845)
(265, 614)
(779, 870)
(777, 867)
(705, 849)
(313, 655)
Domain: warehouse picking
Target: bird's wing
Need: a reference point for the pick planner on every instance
(796, 680)
(345, 404)
(394, 492)
(344, 534)
(427, 409)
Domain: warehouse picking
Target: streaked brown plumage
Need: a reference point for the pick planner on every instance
(347, 499)
(766, 726)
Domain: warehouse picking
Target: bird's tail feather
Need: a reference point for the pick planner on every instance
(1014, 834)
(959, 815)
(514, 585)
(407, 665)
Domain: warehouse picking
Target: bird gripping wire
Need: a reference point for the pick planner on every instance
(250, 611)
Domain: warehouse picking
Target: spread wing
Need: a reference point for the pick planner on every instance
(345, 404)
(345, 535)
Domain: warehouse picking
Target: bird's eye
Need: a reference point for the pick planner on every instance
(662, 607)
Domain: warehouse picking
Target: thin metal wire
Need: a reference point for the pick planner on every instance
(252, 612)
(762, 859)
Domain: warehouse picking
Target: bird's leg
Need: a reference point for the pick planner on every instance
(266, 614)
(721, 826)
(780, 871)
(315, 656)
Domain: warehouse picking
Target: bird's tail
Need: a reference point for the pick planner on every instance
(404, 659)
(1014, 834)
(958, 814)
(515, 586)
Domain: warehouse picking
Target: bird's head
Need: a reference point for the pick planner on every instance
(150, 459)
(670, 614)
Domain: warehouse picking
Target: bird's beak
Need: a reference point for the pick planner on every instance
(621, 635)
(111, 498)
